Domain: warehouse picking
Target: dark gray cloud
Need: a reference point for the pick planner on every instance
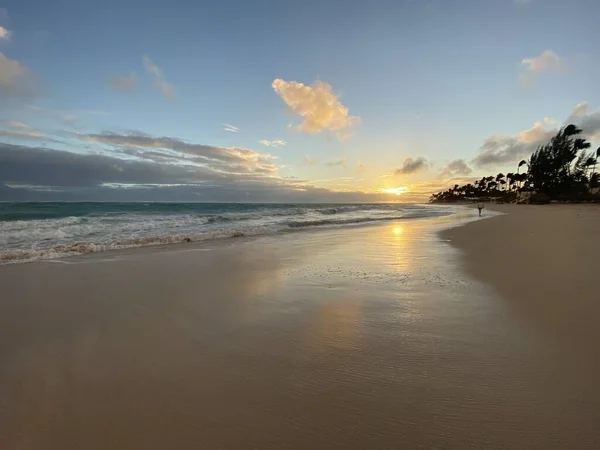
(42, 166)
(34, 173)
(455, 168)
(412, 165)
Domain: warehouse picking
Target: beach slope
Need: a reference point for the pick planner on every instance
(544, 261)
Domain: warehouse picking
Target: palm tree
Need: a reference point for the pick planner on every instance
(596, 160)
(595, 180)
(510, 177)
(571, 130)
(522, 163)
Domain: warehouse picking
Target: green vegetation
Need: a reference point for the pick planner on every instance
(562, 169)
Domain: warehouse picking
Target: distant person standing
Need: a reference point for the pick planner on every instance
(480, 208)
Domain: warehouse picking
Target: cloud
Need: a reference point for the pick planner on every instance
(14, 78)
(547, 62)
(230, 128)
(412, 165)
(589, 123)
(177, 151)
(522, 2)
(124, 83)
(579, 111)
(276, 143)
(18, 130)
(309, 161)
(336, 163)
(502, 149)
(78, 177)
(455, 168)
(420, 192)
(318, 106)
(69, 118)
(166, 89)
(5, 35)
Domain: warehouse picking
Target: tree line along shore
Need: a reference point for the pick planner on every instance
(562, 170)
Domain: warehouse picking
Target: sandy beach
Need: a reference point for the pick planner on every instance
(543, 260)
(378, 337)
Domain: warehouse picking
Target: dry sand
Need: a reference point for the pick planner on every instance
(362, 338)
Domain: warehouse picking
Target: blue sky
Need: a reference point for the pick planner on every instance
(437, 81)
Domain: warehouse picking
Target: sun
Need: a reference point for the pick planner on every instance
(396, 191)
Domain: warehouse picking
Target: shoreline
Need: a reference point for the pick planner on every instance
(364, 337)
(542, 260)
(64, 233)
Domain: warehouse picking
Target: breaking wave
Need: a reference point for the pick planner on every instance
(62, 229)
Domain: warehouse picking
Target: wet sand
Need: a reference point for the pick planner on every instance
(369, 337)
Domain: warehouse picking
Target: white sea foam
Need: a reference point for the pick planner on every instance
(29, 240)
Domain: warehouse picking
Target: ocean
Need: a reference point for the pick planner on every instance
(33, 231)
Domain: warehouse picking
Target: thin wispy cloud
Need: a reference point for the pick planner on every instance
(412, 165)
(166, 89)
(230, 128)
(124, 83)
(320, 109)
(65, 116)
(278, 143)
(309, 161)
(18, 130)
(336, 163)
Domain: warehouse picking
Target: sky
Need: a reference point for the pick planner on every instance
(311, 101)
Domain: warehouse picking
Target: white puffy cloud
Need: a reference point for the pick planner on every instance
(278, 143)
(547, 61)
(318, 106)
(412, 165)
(166, 89)
(4, 34)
